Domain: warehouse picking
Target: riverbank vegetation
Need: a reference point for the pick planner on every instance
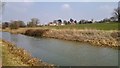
(99, 34)
(14, 56)
(95, 37)
(109, 38)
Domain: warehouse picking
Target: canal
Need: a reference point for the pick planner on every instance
(64, 53)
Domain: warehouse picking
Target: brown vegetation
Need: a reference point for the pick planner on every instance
(36, 33)
(95, 37)
(24, 56)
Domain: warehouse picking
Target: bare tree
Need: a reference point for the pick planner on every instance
(71, 20)
(117, 12)
(59, 21)
(65, 22)
(14, 24)
(34, 22)
(75, 22)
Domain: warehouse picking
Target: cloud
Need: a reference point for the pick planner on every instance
(66, 6)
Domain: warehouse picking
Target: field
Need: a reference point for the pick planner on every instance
(98, 26)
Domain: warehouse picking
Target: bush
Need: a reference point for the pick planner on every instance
(36, 33)
(5, 25)
(14, 25)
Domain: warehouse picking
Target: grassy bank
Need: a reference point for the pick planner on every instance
(0, 54)
(13, 56)
(107, 38)
(100, 34)
(8, 59)
(94, 37)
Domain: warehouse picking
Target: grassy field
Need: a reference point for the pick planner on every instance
(95, 26)
(99, 26)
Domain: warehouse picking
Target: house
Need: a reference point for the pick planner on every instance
(56, 23)
(52, 24)
(62, 24)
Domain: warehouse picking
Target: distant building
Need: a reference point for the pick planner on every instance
(52, 24)
(62, 24)
(56, 23)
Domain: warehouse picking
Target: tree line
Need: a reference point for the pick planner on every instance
(35, 21)
(20, 24)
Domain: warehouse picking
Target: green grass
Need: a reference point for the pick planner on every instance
(99, 26)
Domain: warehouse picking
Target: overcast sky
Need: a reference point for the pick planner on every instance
(49, 11)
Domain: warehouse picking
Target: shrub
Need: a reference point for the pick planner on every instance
(14, 25)
(36, 33)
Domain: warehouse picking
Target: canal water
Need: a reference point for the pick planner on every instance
(64, 53)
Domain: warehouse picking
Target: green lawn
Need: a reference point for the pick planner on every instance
(99, 26)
